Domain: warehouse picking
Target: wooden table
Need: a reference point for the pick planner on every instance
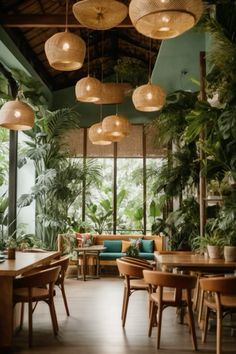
(9, 269)
(93, 250)
(193, 262)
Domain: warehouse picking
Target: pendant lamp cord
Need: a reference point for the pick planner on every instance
(67, 7)
(88, 55)
(150, 64)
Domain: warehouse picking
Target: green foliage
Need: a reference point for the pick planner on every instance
(133, 71)
(132, 251)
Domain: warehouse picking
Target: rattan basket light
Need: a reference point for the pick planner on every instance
(16, 115)
(97, 136)
(149, 98)
(65, 51)
(100, 14)
(111, 93)
(88, 89)
(163, 19)
(116, 127)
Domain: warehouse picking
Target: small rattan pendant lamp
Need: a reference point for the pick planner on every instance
(163, 19)
(116, 127)
(100, 14)
(16, 115)
(150, 97)
(88, 89)
(65, 51)
(96, 134)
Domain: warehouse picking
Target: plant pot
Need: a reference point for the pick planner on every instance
(11, 253)
(214, 251)
(230, 253)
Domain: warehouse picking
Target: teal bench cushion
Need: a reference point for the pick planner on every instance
(112, 246)
(110, 256)
(146, 255)
(146, 246)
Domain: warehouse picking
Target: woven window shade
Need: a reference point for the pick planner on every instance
(163, 19)
(132, 146)
(100, 14)
(73, 142)
(99, 150)
(152, 150)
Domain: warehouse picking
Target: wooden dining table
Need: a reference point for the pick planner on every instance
(9, 269)
(193, 262)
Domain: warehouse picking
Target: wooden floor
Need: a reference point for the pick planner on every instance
(94, 326)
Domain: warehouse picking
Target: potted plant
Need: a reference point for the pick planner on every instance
(230, 247)
(11, 247)
(212, 243)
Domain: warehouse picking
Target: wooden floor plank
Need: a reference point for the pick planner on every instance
(94, 326)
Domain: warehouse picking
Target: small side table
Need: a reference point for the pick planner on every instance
(93, 250)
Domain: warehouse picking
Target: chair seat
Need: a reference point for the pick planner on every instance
(21, 295)
(138, 284)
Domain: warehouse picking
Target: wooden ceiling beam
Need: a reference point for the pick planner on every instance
(48, 21)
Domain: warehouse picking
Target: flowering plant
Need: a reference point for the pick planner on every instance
(85, 239)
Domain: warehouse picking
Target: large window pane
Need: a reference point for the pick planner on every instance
(4, 172)
(129, 195)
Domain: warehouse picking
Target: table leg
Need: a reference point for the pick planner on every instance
(84, 265)
(98, 265)
(6, 312)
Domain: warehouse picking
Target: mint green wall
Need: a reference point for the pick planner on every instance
(11, 57)
(178, 62)
(176, 57)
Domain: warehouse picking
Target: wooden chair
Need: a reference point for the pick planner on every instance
(160, 299)
(219, 297)
(133, 280)
(140, 261)
(34, 288)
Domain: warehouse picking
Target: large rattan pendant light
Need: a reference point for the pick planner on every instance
(116, 127)
(16, 115)
(65, 51)
(97, 136)
(88, 89)
(111, 93)
(163, 19)
(150, 97)
(100, 14)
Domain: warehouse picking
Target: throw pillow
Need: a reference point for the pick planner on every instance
(125, 245)
(147, 246)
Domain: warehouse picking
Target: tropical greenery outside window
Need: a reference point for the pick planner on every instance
(4, 173)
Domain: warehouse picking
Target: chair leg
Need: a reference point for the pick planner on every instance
(126, 302)
(205, 328)
(191, 320)
(123, 303)
(159, 322)
(218, 330)
(53, 317)
(152, 317)
(65, 300)
(21, 315)
(30, 321)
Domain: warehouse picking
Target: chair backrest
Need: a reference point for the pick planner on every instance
(39, 279)
(222, 285)
(130, 269)
(63, 263)
(138, 261)
(164, 279)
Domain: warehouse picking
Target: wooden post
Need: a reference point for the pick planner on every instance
(202, 178)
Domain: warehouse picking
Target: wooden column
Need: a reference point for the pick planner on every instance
(202, 178)
(115, 190)
(144, 184)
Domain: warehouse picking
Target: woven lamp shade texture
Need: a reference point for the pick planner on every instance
(88, 89)
(16, 115)
(65, 51)
(148, 98)
(97, 136)
(111, 93)
(116, 127)
(100, 14)
(163, 19)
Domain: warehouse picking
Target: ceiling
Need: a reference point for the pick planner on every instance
(30, 23)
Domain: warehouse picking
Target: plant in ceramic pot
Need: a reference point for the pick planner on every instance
(230, 247)
(212, 243)
(11, 247)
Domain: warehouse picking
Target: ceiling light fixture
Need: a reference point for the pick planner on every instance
(65, 51)
(100, 14)
(16, 115)
(163, 19)
(116, 127)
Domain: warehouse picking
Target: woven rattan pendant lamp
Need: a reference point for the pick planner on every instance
(116, 127)
(88, 89)
(100, 14)
(97, 136)
(111, 93)
(163, 19)
(65, 51)
(149, 98)
(16, 115)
